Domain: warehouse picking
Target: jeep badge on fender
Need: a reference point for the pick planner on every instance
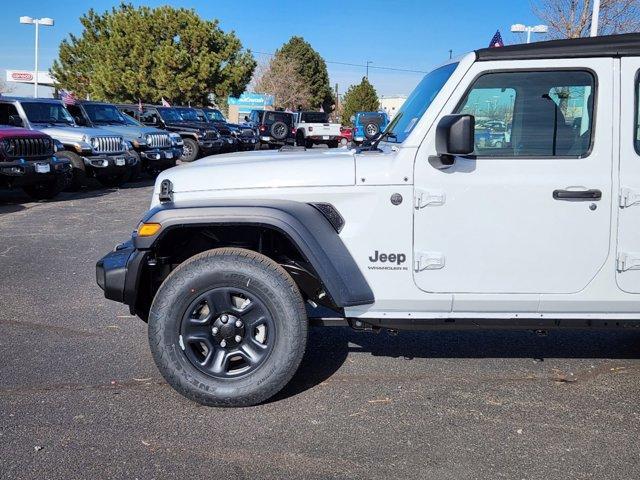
(397, 258)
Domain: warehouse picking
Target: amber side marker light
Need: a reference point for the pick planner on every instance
(148, 229)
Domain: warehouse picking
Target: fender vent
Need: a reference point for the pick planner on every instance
(330, 213)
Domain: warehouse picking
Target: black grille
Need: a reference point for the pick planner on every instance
(27, 147)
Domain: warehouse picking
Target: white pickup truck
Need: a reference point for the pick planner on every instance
(313, 128)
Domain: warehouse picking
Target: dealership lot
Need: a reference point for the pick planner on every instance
(80, 396)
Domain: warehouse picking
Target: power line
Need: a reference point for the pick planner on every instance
(361, 65)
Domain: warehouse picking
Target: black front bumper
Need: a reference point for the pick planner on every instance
(118, 273)
(160, 158)
(22, 173)
(107, 165)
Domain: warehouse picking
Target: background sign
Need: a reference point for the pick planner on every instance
(28, 76)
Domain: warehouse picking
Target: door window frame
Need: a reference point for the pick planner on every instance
(594, 115)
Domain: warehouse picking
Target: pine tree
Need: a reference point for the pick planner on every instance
(312, 70)
(359, 98)
(130, 54)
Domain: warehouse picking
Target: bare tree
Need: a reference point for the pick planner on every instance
(4, 88)
(572, 18)
(281, 79)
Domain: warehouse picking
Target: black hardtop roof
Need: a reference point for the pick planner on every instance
(4, 98)
(625, 45)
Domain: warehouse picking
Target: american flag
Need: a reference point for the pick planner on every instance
(67, 98)
(165, 103)
(496, 41)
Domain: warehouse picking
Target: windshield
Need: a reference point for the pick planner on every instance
(104, 114)
(417, 103)
(314, 117)
(214, 116)
(131, 121)
(42, 112)
(189, 114)
(169, 114)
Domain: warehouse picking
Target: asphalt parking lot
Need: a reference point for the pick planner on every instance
(80, 396)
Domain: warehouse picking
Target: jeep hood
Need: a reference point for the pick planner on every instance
(264, 169)
(71, 133)
(131, 133)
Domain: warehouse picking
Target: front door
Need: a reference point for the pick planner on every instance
(628, 255)
(530, 211)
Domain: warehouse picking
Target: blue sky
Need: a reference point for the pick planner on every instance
(406, 34)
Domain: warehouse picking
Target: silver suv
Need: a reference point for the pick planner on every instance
(92, 152)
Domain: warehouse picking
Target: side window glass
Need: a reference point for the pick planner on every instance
(637, 119)
(532, 114)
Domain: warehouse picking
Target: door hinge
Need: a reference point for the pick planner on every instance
(628, 197)
(424, 198)
(428, 261)
(628, 261)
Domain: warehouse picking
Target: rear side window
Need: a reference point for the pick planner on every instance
(532, 114)
(272, 117)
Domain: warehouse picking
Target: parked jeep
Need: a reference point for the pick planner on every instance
(426, 228)
(92, 152)
(191, 115)
(199, 140)
(367, 125)
(274, 129)
(156, 149)
(28, 161)
(314, 128)
(245, 136)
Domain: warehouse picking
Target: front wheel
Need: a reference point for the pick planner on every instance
(48, 190)
(228, 328)
(190, 150)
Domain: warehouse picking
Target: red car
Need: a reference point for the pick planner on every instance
(28, 161)
(346, 136)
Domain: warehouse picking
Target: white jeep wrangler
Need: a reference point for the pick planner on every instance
(314, 128)
(504, 194)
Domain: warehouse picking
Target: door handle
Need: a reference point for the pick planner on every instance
(578, 195)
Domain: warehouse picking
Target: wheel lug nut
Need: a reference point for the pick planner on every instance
(223, 343)
(214, 330)
(238, 323)
(224, 319)
(238, 338)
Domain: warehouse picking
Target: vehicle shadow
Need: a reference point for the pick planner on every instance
(12, 201)
(328, 348)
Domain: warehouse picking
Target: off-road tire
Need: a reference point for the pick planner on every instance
(136, 171)
(78, 171)
(371, 130)
(191, 150)
(48, 190)
(232, 268)
(279, 130)
(333, 144)
(344, 142)
(300, 141)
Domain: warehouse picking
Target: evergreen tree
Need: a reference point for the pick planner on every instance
(130, 54)
(359, 98)
(312, 70)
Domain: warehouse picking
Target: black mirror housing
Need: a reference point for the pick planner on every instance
(15, 121)
(455, 135)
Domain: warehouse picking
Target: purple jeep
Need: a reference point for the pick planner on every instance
(28, 161)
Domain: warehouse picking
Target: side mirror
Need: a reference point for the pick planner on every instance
(79, 120)
(15, 121)
(246, 118)
(455, 135)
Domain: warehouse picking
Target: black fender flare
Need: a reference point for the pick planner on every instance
(303, 224)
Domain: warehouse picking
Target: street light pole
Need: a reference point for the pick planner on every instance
(595, 18)
(520, 28)
(48, 22)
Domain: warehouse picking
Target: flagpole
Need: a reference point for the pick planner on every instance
(595, 18)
